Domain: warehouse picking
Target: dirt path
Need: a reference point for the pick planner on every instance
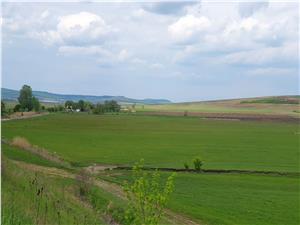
(25, 116)
(116, 190)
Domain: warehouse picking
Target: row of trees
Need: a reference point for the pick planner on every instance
(27, 102)
(99, 108)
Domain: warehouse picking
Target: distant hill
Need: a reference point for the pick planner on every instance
(12, 95)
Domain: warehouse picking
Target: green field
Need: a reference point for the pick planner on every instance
(284, 105)
(18, 154)
(207, 198)
(233, 198)
(163, 141)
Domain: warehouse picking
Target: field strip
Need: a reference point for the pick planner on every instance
(212, 171)
(112, 188)
(229, 116)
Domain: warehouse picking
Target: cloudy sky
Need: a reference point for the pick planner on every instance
(182, 51)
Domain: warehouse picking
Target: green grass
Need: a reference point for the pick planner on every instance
(163, 141)
(24, 203)
(273, 100)
(18, 154)
(226, 199)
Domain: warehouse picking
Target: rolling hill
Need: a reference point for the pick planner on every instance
(12, 95)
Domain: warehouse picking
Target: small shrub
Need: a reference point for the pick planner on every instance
(186, 166)
(17, 108)
(147, 197)
(83, 182)
(197, 164)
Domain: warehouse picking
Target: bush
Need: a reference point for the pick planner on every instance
(17, 108)
(197, 164)
(147, 197)
(186, 166)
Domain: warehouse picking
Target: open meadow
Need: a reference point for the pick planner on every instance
(170, 141)
(163, 141)
(276, 105)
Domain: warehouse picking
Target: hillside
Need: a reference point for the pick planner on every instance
(272, 105)
(12, 95)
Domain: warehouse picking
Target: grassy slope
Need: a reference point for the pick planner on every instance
(61, 193)
(25, 156)
(163, 141)
(21, 203)
(233, 198)
(250, 105)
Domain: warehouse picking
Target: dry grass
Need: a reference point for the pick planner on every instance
(21, 143)
(24, 144)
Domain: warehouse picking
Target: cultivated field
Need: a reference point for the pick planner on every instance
(263, 153)
(282, 105)
(163, 141)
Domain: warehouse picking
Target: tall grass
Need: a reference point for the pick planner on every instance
(33, 198)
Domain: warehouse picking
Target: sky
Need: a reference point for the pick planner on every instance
(181, 51)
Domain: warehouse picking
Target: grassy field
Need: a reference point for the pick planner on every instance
(163, 141)
(214, 199)
(233, 198)
(18, 154)
(273, 105)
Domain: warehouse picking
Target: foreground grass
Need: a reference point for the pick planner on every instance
(163, 141)
(33, 198)
(238, 199)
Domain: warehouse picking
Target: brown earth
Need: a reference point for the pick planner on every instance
(23, 115)
(231, 116)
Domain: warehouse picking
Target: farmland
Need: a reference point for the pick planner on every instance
(163, 141)
(233, 198)
(282, 105)
(168, 142)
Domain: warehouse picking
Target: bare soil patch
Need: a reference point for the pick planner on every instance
(231, 116)
(23, 115)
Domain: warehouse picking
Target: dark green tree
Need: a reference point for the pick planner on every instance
(99, 109)
(69, 104)
(112, 106)
(25, 98)
(36, 104)
(3, 111)
(81, 105)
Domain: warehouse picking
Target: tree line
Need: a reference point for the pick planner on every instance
(27, 102)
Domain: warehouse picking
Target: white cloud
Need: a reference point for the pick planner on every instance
(81, 29)
(188, 26)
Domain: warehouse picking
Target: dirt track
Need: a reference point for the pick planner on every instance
(25, 115)
(231, 116)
